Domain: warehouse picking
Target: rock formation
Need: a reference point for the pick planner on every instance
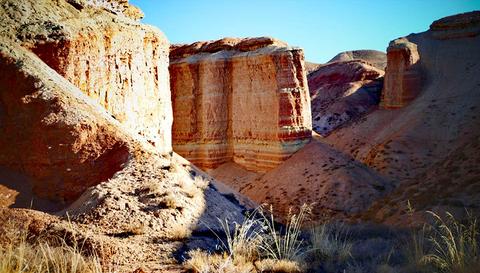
(403, 78)
(342, 91)
(118, 62)
(241, 100)
(52, 136)
(67, 149)
(426, 147)
(426, 151)
(118, 7)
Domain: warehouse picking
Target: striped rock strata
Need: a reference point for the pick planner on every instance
(118, 62)
(241, 100)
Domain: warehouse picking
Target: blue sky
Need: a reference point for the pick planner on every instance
(322, 28)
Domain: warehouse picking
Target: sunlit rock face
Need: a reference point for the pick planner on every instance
(118, 62)
(77, 84)
(50, 132)
(403, 77)
(118, 7)
(244, 100)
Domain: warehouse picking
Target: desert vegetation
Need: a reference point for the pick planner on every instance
(20, 254)
(444, 244)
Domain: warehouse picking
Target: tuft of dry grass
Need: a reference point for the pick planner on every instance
(330, 242)
(204, 262)
(19, 256)
(179, 232)
(244, 240)
(190, 189)
(168, 201)
(278, 266)
(286, 245)
(201, 182)
(454, 244)
(255, 245)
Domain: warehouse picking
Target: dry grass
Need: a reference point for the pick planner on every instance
(154, 189)
(271, 265)
(168, 201)
(201, 182)
(244, 240)
(190, 189)
(331, 242)
(204, 262)
(256, 245)
(286, 245)
(454, 245)
(19, 256)
(179, 232)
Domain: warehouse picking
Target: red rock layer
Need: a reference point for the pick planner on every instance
(403, 77)
(251, 107)
(53, 138)
(119, 63)
(48, 131)
(341, 92)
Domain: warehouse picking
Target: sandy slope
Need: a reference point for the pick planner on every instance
(421, 143)
(333, 182)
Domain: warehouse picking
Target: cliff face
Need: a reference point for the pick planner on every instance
(56, 142)
(241, 100)
(118, 62)
(52, 137)
(403, 76)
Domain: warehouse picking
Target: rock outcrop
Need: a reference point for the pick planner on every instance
(456, 26)
(50, 132)
(403, 77)
(341, 92)
(66, 145)
(427, 146)
(118, 62)
(241, 100)
(118, 7)
(62, 151)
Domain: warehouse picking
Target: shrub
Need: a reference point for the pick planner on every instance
(287, 245)
(331, 241)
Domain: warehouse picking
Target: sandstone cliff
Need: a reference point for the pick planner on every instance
(403, 78)
(64, 147)
(425, 151)
(120, 63)
(244, 100)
